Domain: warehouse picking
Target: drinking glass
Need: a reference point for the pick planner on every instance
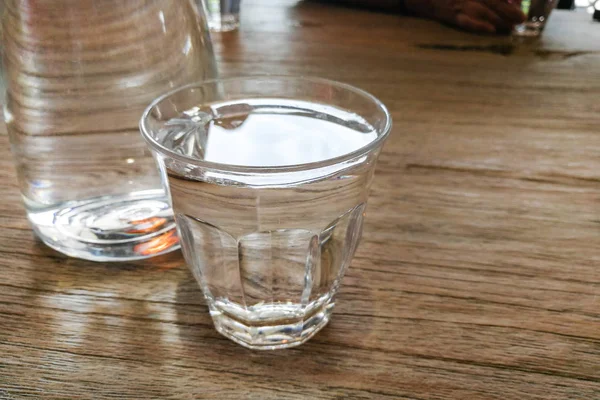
(79, 74)
(269, 178)
(223, 15)
(537, 12)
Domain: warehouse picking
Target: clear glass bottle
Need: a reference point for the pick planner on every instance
(78, 74)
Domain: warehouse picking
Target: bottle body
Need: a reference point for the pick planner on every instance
(78, 74)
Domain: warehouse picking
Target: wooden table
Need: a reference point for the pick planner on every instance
(479, 272)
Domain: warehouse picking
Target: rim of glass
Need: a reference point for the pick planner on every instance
(214, 166)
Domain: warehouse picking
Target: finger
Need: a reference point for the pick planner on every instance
(469, 23)
(480, 11)
(510, 12)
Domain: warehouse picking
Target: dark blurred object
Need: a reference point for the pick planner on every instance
(566, 5)
(378, 5)
(597, 15)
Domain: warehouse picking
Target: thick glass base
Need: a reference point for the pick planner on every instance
(224, 22)
(273, 326)
(130, 227)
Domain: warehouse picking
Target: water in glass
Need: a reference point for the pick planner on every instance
(269, 250)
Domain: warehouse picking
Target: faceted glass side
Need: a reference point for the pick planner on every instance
(273, 288)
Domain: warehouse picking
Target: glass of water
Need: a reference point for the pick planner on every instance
(537, 12)
(223, 15)
(269, 178)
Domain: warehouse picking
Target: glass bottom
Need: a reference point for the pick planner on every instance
(529, 29)
(113, 228)
(224, 22)
(271, 326)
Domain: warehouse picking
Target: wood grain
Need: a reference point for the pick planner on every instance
(478, 276)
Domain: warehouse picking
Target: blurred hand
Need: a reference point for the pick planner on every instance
(489, 16)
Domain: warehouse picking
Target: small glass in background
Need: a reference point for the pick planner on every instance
(223, 15)
(537, 12)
